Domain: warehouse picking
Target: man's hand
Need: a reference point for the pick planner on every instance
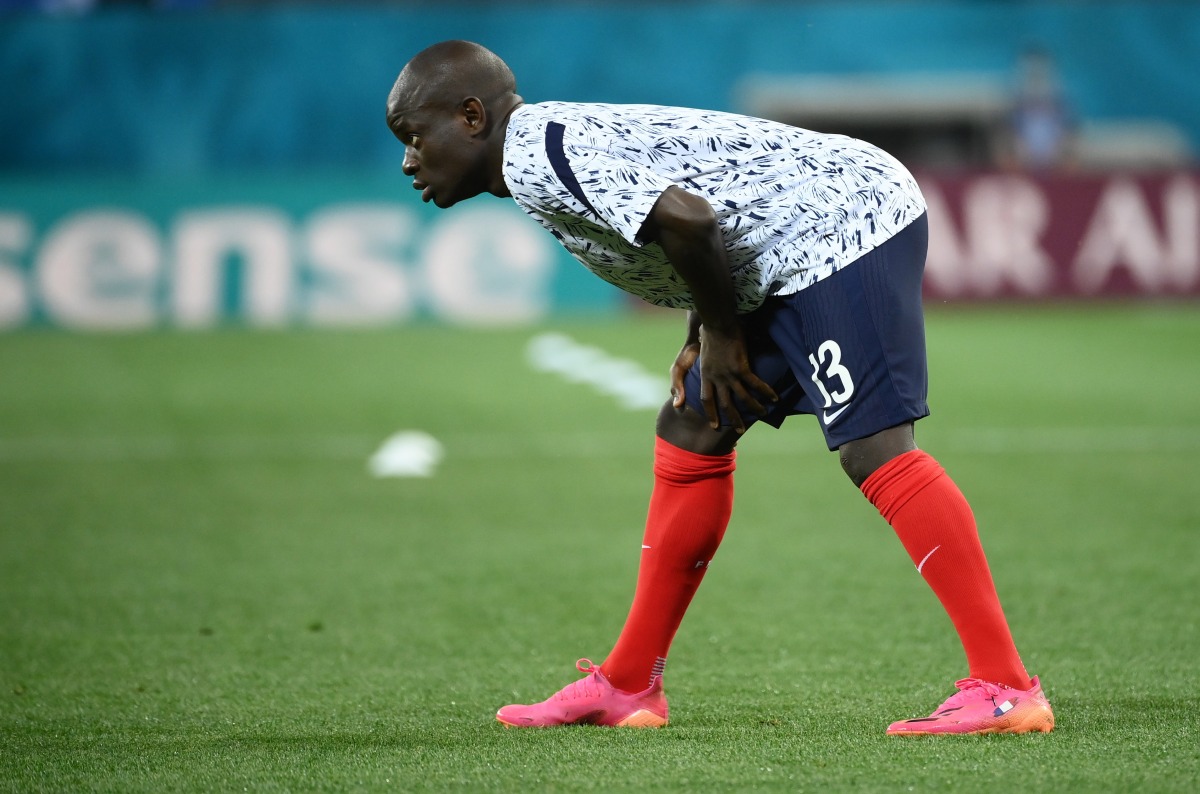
(726, 377)
(724, 374)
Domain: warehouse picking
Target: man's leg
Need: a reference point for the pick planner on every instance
(689, 510)
(935, 524)
(690, 506)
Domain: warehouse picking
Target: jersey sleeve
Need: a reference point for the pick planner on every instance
(613, 191)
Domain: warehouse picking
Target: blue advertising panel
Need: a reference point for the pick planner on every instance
(123, 253)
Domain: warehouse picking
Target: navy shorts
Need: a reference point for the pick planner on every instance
(850, 349)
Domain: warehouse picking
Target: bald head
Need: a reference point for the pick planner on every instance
(449, 72)
(450, 108)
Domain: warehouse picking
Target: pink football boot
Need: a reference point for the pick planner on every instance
(983, 707)
(592, 701)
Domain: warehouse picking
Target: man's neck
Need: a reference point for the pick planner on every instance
(498, 186)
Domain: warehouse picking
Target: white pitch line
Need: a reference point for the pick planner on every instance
(628, 381)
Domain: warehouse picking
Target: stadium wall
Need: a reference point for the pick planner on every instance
(194, 168)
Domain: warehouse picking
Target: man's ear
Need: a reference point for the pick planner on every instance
(474, 114)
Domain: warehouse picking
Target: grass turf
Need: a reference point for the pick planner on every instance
(201, 588)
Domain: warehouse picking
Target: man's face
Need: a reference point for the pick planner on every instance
(441, 152)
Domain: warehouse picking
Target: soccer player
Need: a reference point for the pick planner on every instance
(799, 258)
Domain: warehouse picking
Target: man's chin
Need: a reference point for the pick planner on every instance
(440, 201)
(444, 200)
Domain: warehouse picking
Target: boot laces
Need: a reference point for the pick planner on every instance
(588, 687)
(972, 689)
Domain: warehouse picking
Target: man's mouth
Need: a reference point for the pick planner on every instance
(426, 190)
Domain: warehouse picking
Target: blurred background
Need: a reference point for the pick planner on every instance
(192, 163)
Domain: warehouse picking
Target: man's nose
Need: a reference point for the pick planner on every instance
(410, 162)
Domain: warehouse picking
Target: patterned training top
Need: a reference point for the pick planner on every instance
(793, 205)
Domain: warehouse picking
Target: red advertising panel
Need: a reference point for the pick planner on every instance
(1008, 235)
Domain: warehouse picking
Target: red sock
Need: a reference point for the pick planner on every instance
(935, 524)
(689, 511)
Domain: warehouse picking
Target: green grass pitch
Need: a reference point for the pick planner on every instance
(202, 588)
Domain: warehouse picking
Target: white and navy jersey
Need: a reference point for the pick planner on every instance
(793, 205)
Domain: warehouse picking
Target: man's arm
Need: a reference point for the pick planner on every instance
(685, 227)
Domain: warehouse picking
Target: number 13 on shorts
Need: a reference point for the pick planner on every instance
(832, 378)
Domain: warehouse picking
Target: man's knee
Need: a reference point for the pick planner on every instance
(688, 429)
(860, 458)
